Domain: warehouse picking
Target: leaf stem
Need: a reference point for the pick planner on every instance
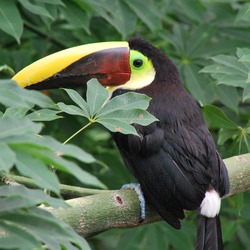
(77, 132)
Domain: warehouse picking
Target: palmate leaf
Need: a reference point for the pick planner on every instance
(120, 121)
(232, 70)
(96, 96)
(117, 114)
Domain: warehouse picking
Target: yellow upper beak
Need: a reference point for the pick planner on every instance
(107, 61)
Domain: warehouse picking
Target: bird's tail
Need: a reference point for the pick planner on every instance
(209, 236)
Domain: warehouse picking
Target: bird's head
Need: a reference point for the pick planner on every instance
(128, 65)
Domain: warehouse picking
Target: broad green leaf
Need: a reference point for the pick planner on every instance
(79, 101)
(37, 98)
(66, 150)
(246, 93)
(96, 96)
(148, 13)
(245, 58)
(193, 10)
(229, 70)
(12, 95)
(10, 19)
(17, 238)
(128, 101)
(71, 109)
(120, 121)
(226, 134)
(35, 196)
(235, 80)
(58, 162)
(44, 115)
(121, 17)
(231, 62)
(37, 171)
(35, 9)
(228, 95)
(75, 152)
(136, 116)
(197, 84)
(217, 118)
(76, 16)
(7, 157)
(50, 144)
(42, 227)
(11, 127)
(244, 13)
(15, 202)
(15, 112)
(115, 125)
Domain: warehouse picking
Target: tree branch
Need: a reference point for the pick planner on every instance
(120, 209)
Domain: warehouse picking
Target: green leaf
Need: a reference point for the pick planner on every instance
(135, 116)
(246, 93)
(37, 170)
(15, 112)
(148, 13)
(96, 96)
(245, 58)
(121, 17)
(120, 121)
(35, 9)
(244, 13)
(197, 84)
(79, 101)
(230, 70)
(34, 197)
(44, 115)
(58, 162)
(128, 101)
(217, 118)
(10, 19)
(71, 109)
(226, 134)
(12, 95)
(43, 226)
(229, 96)
(7, 157)
(11, 126)
(117, 126)
(17, 238)
(76, 16)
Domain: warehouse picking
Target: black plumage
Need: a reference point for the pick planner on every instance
(174, 159)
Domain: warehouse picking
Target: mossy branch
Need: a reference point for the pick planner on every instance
(112, 209)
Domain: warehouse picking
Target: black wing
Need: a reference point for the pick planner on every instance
(174, 168)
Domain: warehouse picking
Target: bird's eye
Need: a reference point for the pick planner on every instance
(137, 63)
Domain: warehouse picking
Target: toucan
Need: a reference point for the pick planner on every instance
(174, 159)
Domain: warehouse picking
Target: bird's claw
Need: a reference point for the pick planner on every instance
(137, 188)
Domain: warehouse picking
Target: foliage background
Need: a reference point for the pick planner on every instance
(209, 42)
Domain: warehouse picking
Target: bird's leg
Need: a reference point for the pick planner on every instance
(137, 188)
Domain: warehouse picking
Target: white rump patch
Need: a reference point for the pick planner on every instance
(210, 205)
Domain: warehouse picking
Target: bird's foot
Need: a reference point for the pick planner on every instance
(137, 188)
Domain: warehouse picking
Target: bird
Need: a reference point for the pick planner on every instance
(174, 159)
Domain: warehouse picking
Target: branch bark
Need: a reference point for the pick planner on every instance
(100, 212)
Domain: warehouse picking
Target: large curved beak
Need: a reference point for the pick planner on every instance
(107, 61)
